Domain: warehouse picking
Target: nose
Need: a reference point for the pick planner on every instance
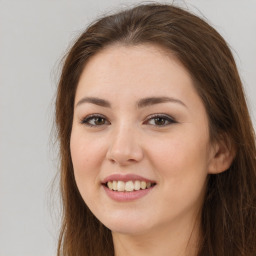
(124, 148)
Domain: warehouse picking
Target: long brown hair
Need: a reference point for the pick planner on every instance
(229, 211)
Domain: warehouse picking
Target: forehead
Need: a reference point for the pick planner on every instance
(142, 69)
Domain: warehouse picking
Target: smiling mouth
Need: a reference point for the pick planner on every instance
(128, 186)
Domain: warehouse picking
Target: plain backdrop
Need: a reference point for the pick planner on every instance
(34, 35)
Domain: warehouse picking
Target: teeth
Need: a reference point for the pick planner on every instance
(114, 185)
(128, 186)
(137, 185)
(120, 186)
(110, 185)
(143, 184)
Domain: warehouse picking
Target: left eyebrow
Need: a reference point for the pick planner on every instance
(145, 102)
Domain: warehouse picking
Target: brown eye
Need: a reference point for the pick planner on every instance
(95, 120)
(99, 121)
(160, 120)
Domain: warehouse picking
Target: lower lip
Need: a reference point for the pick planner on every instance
(127, 196)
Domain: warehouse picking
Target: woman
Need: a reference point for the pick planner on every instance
(157, 147)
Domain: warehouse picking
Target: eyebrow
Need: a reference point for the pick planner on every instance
(145, 102)
(96, 101)
(157, 100)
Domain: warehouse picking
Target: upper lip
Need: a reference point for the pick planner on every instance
(125, 178)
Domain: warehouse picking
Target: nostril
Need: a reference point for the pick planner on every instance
(112, 161)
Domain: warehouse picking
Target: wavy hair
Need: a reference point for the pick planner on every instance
(228, 217)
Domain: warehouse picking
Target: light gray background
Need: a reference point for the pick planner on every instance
(34, 35)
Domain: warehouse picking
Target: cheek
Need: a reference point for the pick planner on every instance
(181, 163)
(86, 151)
(87, 155)
(176, 153)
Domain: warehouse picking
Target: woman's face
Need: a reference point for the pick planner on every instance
(140, 140)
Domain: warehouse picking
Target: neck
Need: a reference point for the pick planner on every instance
(180, 239)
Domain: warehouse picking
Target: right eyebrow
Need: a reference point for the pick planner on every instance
(94, 100)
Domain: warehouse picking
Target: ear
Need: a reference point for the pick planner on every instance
(222, 156)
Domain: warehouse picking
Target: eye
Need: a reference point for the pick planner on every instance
(160, 120)
(95, 120)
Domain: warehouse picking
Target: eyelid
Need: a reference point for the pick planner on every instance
(161, 115)
(85, 120)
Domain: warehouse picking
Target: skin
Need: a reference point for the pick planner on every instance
(178, 155)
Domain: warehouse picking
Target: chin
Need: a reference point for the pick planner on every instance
(128, 229)
(126, 225)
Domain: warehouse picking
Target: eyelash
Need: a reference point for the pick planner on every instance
(86, 120)
(163, 117)
(168, 120)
